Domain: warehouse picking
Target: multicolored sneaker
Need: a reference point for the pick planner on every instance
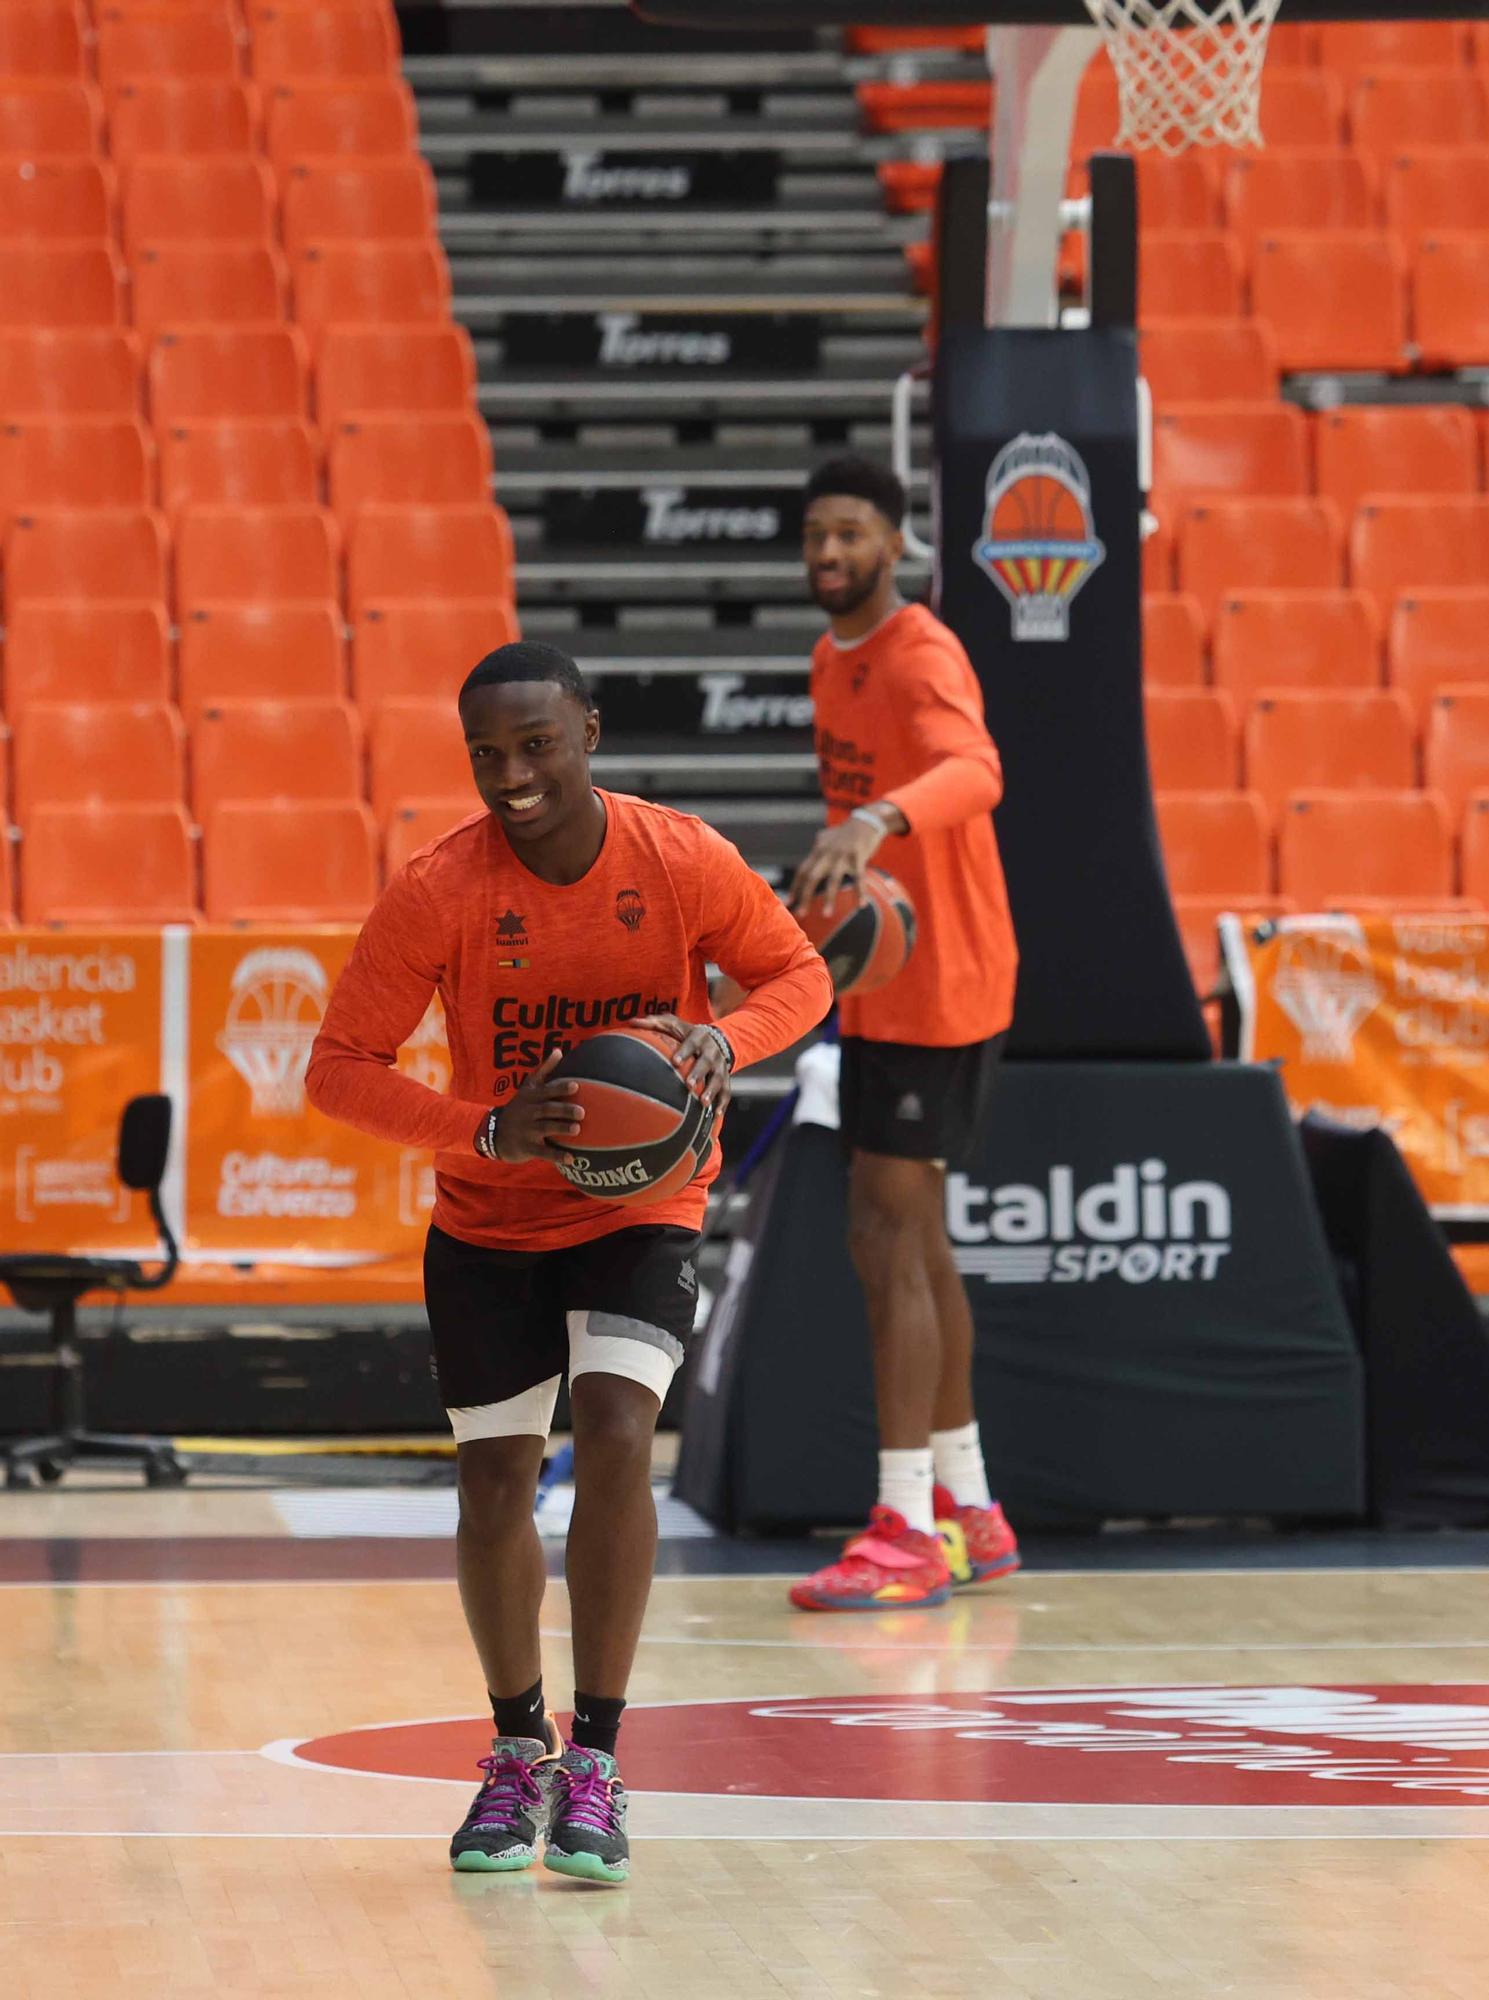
(587, 1831)
(501, 1831)
(887, 1568)
(979, 1543)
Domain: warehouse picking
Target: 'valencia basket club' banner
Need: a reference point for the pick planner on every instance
(1380, 1022)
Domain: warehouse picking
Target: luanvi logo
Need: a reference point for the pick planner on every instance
(625, 343)
(1135, 1227)
(589, 177)
(670, 519)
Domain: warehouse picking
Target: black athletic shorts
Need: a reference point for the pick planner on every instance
(916, 1103)
(500, 1318)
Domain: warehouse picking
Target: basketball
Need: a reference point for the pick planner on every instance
(645, 1133)
(864, 943)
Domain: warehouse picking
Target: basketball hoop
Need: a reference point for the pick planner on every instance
(1189, 72)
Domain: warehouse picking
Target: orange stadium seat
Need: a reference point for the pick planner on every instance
(909, 187)
(106, 864)
(357, 200)
(418, 752)
(185, 284)
(253, 462)
(262, 652)
(61, 284)
(893, 41)
(238, 554)
(48, 115)
(1309, 188)
(1191, 739)
(1399, 448)
(1290, 47)
(41, 41)
(1476, 848)
(347, 283)
(1190, 274)
(1432, 189)
(1333, 846)
(917, 107)
(1208, 361)
(1437, 637)
(317, 120)
(74, 462)
(1335, 740)
(298, 749)
(1173, 641)
(54, 197)
(86, 552)
(446, 552)
(69, 372)
(1301, 107)
(124, 752)
(254, 862)
(1215, 843)
(198, 200)
(1203, 448)
(1450, 292)
(1259, 544)
(1392, 110)
(1158, 557)
(414, 823)
(259, 371)
(428, 460)
(145, 45)
(1455, 744)
(333, 43)
(190, 115)
(413, 650)
(393, 369)
(1349, 49)
(1419, 543)
(98, 651)
(1332, 300)
(1269, 639)
(1174, 194)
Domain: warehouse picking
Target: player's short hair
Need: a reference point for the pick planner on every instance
(860, 479)
(528, 660)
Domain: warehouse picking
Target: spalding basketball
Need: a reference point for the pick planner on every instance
(644, 1134)
(864, 943)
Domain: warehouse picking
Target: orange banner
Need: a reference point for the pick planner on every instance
(267, 1177)
(1383, 1022)
(80, 1034)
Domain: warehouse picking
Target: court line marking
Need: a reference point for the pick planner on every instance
(843, 1841)
(1016, 1648)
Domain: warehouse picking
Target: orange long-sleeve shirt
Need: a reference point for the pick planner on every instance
(899, 718)
(523, 966)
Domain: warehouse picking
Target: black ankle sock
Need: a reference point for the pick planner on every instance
(596, 1721)
(520, 1714)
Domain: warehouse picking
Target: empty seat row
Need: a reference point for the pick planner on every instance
(1303, 740)
(354, 38)
(291, 118)
(1318, 640)
(438, 459)
(404, 648)
(197, 372)
(257, 554)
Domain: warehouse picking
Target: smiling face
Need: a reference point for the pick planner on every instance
(530, 744)
(850, 550)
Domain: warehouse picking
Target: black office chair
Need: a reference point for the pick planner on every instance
(54, 1284)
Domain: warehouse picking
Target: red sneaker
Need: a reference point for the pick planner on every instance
(890, 1565)
(988, 1547)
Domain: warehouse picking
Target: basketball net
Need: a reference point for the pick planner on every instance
(1189, 72)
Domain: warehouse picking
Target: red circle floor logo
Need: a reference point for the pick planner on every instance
(1161, 1746)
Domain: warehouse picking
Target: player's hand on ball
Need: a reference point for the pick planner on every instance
(839, 856)
(540, 1119)
(701, 1055)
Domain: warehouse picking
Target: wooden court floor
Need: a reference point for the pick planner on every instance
(230, 1761)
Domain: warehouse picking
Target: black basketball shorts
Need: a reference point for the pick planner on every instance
(507, 1323)
(916, 1103)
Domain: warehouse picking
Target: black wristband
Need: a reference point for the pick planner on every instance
(486, 1132)
(724, 1043)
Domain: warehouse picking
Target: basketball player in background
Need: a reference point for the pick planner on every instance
(554, 912)
(910, 777)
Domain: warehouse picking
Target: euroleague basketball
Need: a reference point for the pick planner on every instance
(865, 943)
(645, 1133)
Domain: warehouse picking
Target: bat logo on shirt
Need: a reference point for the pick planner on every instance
(630, 909)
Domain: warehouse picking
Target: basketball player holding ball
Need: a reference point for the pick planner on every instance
(555, 914)
(910, 778)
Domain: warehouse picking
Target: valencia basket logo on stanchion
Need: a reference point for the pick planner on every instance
(1038, 542)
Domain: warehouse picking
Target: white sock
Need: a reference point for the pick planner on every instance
(905, 1479)
(957, 1456)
